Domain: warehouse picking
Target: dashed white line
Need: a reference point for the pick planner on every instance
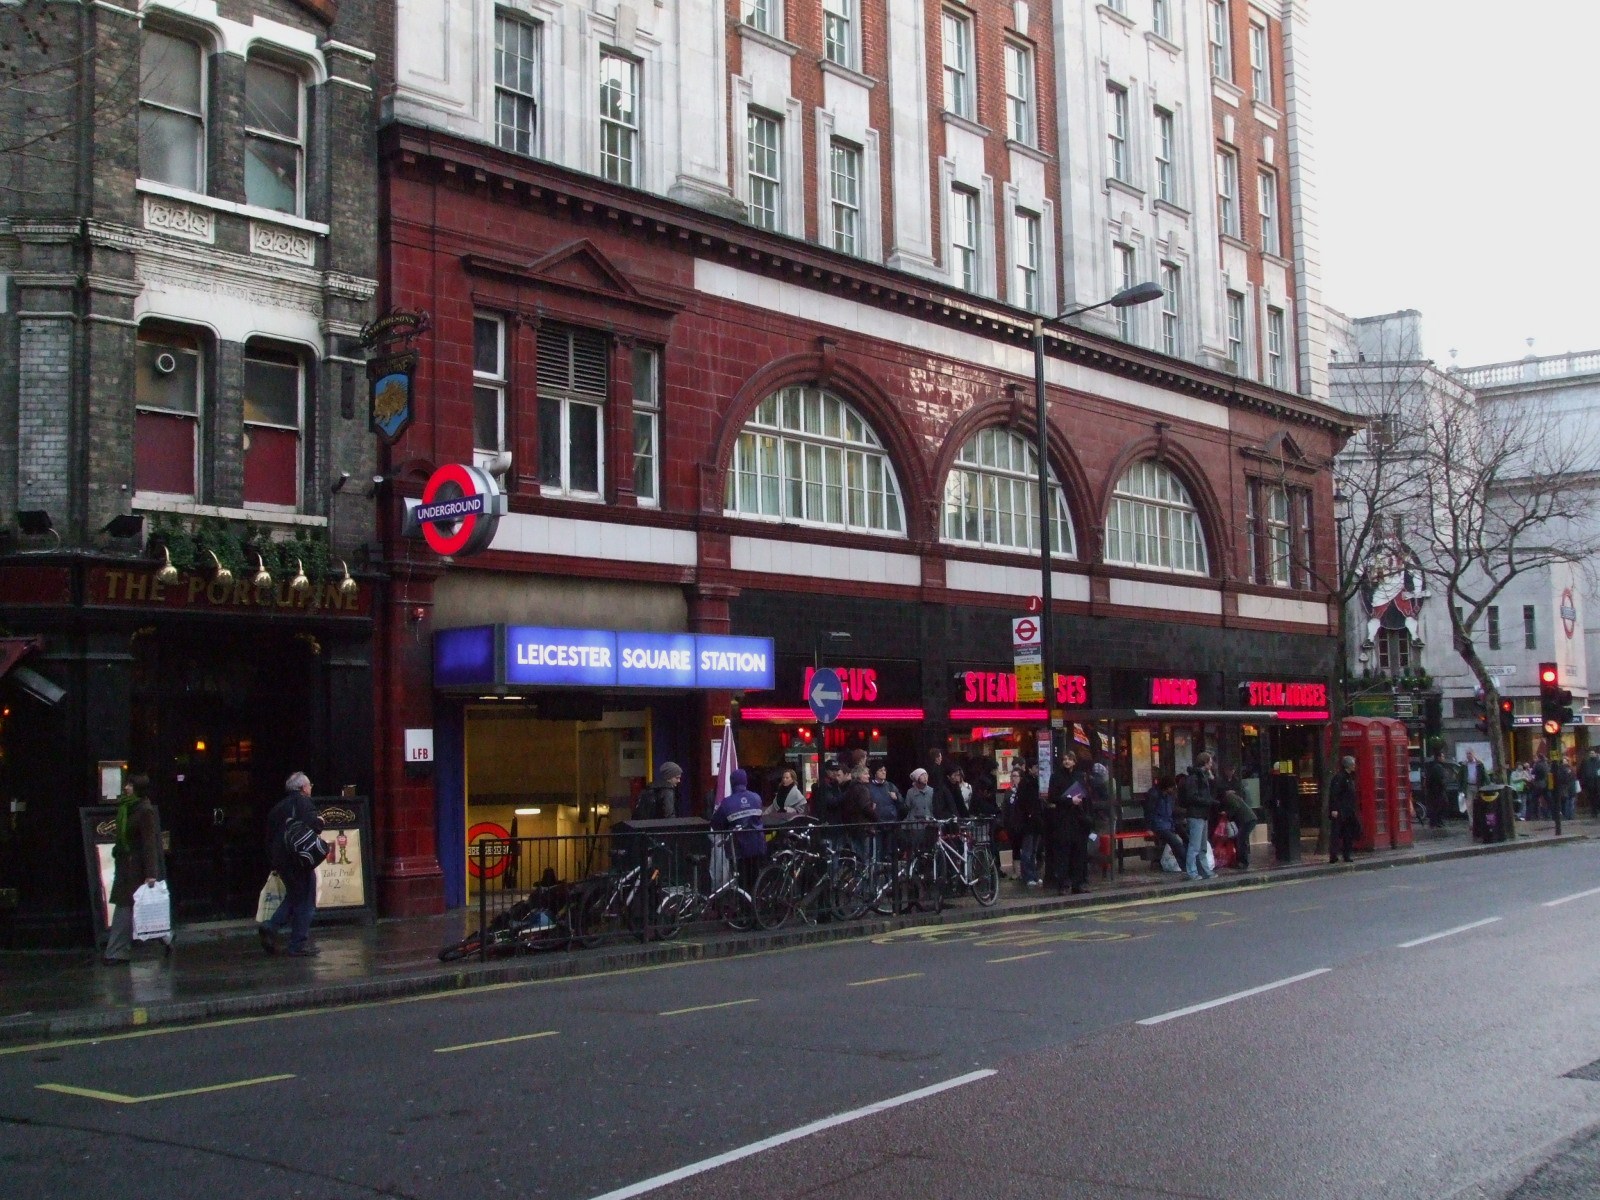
(855, 1114)
(1221, 1000)
(1571, 898)
(1444, 933)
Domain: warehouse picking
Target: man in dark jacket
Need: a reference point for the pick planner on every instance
(1053, 818)
(1025, 824)
(1158, 820)
(659, 801)
(1435, 785)
(136, 855)
(1237, 809)
(948, 802)
(299, 880)
(1198, 798)
(1344, 817)
(826, 794)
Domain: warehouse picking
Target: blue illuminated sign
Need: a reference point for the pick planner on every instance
(656, 660)
(538, 656)
(464, 657)
(735, 664)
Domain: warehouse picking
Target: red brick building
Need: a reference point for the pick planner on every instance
(719, 423)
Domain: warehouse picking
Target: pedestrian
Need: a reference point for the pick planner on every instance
(1052, 810)
(1470, 777)
(1539, 788)
(887, 801)
(1344, 817)
(1198, 799)
(1589, 780)
(1078, 820)
(919, 797)
(1236, 808)
(827, 792)
(659, 801)
(1435, 784)
(787, 799)
(137, 861)
(1158, 805)
(740, 812)
(857, 809)
(299, 880)
(1563, 787)
(1027, 822)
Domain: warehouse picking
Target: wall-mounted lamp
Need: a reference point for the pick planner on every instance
(338, 484)
(528, 812)
(219, 573)
(347, 585)
(372, 488)
(167, 573)
(36, 522)
(299, 583)
(263, 577)
(124, 525)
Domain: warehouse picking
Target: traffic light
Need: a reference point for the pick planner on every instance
(1555, 701)
(1480, 711)
(1507, 709)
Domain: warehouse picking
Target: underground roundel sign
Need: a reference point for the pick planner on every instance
(460, 509)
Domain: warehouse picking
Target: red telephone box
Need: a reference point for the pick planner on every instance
(1400, 779)
(1367, 740)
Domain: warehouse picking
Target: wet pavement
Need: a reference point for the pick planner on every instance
(220, 969)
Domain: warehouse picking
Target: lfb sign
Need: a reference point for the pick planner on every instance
(460, 510)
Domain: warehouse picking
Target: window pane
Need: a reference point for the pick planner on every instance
(271, 174)
(272, 99)
(645, 391)
(271, 392)
(163, 453)
(486, 346)
(169, 71)
(169, 148)
(644, 455)
(272, 466)
(585, 451)
(167, 377)
(550, 445)
(486, 418)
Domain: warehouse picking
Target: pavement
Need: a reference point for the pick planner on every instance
(218, 971)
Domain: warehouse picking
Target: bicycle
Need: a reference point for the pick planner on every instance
(727, 901)
(541, 921)
(973, 869)
(810, 876)
(605, 905)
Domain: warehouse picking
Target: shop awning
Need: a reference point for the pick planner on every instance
(1228, 714)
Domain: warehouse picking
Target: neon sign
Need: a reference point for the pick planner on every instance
(1174, 692)
(1267, 694)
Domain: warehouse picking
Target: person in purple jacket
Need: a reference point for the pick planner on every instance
(740, 811)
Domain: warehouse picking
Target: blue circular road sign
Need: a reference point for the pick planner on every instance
(825, 695)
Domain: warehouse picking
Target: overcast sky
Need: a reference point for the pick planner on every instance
(1457, 160)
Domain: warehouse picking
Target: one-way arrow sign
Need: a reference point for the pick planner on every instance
(826, 696)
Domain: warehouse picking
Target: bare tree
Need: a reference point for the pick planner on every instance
(1506, 489)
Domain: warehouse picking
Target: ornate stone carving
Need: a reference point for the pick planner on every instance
(275, 241)
(179, 220)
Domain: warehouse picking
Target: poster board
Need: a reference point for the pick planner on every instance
(344, 879)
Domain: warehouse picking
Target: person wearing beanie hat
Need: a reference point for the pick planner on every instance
(740, 812)
(659, 801)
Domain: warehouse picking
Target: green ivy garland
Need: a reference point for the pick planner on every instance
(236, 547)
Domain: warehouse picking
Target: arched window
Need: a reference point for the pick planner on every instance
(1153, 522)
(991, 497)
(808, 456)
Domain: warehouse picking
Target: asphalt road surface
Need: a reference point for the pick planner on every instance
(1402, 1033)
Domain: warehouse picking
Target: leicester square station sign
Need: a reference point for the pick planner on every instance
(460, 510)
(541, 656)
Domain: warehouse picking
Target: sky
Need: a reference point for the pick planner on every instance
(1457, 158)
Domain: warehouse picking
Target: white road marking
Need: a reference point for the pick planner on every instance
(1221, 1000)
(1434, 937)
(855, 1114)
(1571, 898)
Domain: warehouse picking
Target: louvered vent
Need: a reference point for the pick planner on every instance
(572, 360)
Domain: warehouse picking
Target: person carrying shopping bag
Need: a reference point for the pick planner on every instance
(138, 862)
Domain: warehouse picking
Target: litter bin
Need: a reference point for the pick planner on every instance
(1283, 811)
(1494, 814)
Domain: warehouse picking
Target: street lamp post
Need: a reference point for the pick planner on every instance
(1139, 293)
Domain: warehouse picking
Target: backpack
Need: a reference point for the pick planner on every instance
(302, 843)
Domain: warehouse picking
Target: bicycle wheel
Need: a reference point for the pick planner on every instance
(670, 914)
(735, 907)
(468, 946)
(771, 897)
(985, 877)
(591, 922)
(852, 890)
(936, 880)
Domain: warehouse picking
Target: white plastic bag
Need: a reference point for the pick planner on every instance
(1208, 859)
(271, 897)
(1169, 861)
(152, 912)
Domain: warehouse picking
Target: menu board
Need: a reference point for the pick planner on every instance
(344, 878)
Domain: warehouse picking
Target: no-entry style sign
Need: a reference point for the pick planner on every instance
(460, 510)
(1024, 633)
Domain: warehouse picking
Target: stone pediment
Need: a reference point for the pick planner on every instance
(578, 268)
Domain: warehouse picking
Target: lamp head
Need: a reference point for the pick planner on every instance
(1139, 293)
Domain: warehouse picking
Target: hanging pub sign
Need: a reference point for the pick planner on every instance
(391, 374)
(460, 510)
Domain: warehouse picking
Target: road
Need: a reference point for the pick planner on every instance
(1400, 1033)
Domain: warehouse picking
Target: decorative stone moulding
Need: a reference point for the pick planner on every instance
(275, 241)
(179, 220)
